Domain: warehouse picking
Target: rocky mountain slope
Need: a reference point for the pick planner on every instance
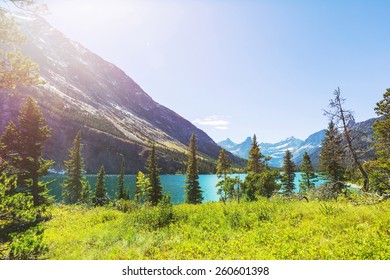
(117, 118)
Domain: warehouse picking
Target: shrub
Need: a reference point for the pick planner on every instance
(27, 245)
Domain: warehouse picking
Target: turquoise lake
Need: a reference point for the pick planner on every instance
(172, 184)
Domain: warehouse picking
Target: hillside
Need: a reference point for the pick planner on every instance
(83, 91)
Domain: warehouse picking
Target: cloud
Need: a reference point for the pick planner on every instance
(215, 122)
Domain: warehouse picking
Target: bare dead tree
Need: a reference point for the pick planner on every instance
(339, 115)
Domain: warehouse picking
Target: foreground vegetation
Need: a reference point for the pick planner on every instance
(265, 229)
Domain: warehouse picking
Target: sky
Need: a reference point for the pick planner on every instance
(238, 68)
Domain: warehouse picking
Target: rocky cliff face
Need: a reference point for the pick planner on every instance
(83, 91)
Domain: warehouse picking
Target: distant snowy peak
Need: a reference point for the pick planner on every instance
(277, 150)
(227, 144)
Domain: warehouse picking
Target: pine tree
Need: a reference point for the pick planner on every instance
(257, 182)
(19, 238)
(192, 187)
(380, 167)
(75, 187)
(332, 155)
(256, 162)
(382, 127)
(100, 198)
(308, 177)
(153, 173)
(288, 175)
(121, 179)
(31, 138)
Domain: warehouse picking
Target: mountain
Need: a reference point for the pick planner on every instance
(117, 118)
(312, 145)
(227, 144)
(361, 132)
(275, 150)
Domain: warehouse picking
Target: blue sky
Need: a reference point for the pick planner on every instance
(236, 68)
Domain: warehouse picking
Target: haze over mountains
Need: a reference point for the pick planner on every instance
(361, 132)
(117, 118)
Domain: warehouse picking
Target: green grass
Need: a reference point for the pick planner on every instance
(275, 229)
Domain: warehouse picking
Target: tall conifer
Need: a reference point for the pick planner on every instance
(255, 159)
(308, 177)
(75, 187)
(332, 155)
(257, 164)
(32, 135)
(380, 167)
(100, 198)
(288, 175)
(153, 173)
(192, 187)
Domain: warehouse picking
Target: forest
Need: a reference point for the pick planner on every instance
(261, 217)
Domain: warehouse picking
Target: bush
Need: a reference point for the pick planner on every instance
(165, 212)
(126, 206)
(27, 245)
(328, 191)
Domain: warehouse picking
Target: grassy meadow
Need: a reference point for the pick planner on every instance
(265, 229)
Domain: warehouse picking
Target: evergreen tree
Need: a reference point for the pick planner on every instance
(100, 198)
(256, 182)
(332, 155)
(288, 175)
(15, 207)
(75, 187)
(192, 187)
(121, 179)
(225, 184)
(308, 177)
(380, 167)
(382, 127)
(142, 188)
(19, 237)
(153, 173)
(256, 162)
(30, 165)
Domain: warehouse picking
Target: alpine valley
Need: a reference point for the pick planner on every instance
(82, 91)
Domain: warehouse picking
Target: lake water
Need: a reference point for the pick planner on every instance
(172, 184)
